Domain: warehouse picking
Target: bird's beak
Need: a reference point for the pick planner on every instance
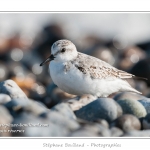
(50, 58)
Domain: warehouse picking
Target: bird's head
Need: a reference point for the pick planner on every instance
(62, 51)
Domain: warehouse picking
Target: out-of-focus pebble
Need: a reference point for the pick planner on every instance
(132, 107)
(146, 122)
(31, 126)
(83, 133)
(146, 104)
(10, 88)
(5, 119)
(102, 108)
(62, 121)
(136, 133)
(65, 110)
(37, 108)
(102, 122)
(127, 122)
(116, 132)
(4, 98)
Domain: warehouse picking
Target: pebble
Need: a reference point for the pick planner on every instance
(116, 132)
(65, 110)
(128, 95)
(102, 131)
(119, 109)
(4, 98)
(15, 106)
(132, 107)
(102, 122)
(33, 126)
(102, 108)
(127, 122)
(146, 104)
(136, 133)
(62, 121)
(5, 118)
(91, 130)
(146, 122)
(10, 88)
(83, 133)
(36, 107)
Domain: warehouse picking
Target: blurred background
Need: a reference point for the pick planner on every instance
(121, 39)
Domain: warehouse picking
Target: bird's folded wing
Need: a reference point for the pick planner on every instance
(98, 69)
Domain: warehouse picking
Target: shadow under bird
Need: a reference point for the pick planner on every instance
(79, 74)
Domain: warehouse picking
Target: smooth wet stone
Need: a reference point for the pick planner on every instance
(5, 119)
(127, 122)
(116, 132)
(65, 110)
(133, 107)
(32, 126)
(146, 122)
(63, 121)
(136, 133)
(4, 98)
(146, 104)
(37, 108)
(10, 88)
(128, 95)
(102, 108)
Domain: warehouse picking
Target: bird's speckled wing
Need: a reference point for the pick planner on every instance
(97, 68)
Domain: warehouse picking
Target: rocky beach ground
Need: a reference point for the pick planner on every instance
(125, 114)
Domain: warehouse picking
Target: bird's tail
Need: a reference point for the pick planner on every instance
(127, 87)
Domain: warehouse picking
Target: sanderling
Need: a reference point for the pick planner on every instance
(80, 74)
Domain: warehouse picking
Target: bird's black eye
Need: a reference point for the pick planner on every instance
(63, 50)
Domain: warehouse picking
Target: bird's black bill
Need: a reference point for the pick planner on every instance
(50, 58)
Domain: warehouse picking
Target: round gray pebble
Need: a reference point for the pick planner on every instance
(65, 110)
(146, 104)
(102, 108)
(62, 121)
(127, 122)
(132, 107)
(116, 132)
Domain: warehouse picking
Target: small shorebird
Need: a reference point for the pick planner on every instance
(77, 73)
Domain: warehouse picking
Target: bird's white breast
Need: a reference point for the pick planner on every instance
(75, 82)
